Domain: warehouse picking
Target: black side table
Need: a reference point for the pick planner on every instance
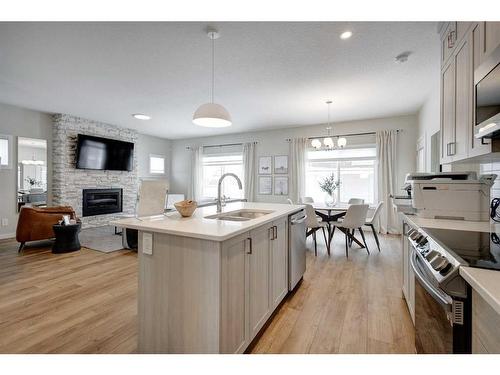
(66, 238)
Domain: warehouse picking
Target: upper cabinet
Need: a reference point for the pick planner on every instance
(464, 46)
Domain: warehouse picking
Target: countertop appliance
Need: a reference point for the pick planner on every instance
(487, 84)
(296, 248)
(454, 195)
(442, 297)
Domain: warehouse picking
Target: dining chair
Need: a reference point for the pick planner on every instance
(289, 201)
(307, 200)
(313, 225)
(369, 222)
(356, 201)
(354, 218)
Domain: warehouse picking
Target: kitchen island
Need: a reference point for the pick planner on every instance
(209, 283)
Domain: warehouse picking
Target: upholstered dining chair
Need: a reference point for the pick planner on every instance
(369, 222)
(354, 218)
(313, 225)
(289, 201)
(356, 201)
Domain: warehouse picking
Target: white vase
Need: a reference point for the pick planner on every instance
(330, 200)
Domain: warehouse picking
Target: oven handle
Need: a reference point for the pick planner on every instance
(439, 296)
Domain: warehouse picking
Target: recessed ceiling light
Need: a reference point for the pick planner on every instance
(346, 35)
(141, 116)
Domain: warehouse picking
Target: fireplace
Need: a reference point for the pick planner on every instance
(101, 201)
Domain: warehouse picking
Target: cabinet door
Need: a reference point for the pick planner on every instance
(447, 112)
(448, 42)
(476, 39)
(463, 100)
(259, 282)
(491, 37)
(279, 262)
(234, 333)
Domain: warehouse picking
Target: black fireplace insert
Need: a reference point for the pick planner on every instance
(102, 201)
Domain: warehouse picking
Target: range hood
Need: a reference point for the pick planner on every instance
(489, 128)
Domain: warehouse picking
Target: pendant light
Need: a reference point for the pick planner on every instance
(212, 115)
(328, 141)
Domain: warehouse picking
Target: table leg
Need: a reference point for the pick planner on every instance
(351, 237)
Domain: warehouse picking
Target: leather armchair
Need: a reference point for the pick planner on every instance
(35, 224)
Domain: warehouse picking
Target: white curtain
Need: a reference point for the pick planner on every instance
(195, 191)
(249, 170)
(386, 179)
(298, 148)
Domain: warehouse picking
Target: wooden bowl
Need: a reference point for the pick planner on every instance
(186, 208)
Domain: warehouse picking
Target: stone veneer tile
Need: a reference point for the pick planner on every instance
(68, 182)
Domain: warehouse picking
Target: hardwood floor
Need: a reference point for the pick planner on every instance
(85, 302)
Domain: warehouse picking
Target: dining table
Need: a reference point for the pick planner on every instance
(330, 215)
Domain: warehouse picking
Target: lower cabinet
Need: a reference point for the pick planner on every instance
(485, 327)
(408, 286)
(254, 280)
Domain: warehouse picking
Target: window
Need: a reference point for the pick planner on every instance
(353, 167)
(5, 148)
(156, 164)
(214, 166)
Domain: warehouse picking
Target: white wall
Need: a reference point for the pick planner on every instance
(147, 145)
(18, 121)
(273, 142)
(429, 119)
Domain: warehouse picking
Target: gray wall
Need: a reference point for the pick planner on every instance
(18, 121)
(152, 145)
(429, 119)
(273, 142)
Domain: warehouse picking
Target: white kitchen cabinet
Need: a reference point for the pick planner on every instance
(259, 277)
(447, 112)
(279, 262)
(408, 286)
(485, 326)
(491, 37)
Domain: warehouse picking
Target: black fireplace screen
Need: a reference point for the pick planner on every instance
(101, 201)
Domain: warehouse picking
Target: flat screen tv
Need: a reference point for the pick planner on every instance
(104, 153)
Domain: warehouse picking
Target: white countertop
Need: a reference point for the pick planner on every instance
(197, 226)
(485, 282)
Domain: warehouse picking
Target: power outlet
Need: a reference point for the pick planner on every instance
(5, 222)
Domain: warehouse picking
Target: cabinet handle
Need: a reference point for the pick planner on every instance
(249, 245)
(271, 233)
(452, 148)
(275, 232)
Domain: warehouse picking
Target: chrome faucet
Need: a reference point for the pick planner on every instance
(219, 187)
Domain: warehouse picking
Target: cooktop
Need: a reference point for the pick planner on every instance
(478, 249)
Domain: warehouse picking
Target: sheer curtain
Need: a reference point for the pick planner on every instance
(195, 186)
(386, 179)
(298, 148)
(249, 171)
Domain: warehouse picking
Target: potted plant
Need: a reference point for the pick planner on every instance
(32, 182)
(329, 185)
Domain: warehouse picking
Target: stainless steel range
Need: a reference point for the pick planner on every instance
(442, 297)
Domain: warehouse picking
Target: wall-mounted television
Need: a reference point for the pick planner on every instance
(104, 153)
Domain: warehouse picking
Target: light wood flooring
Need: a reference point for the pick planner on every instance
(85, 302)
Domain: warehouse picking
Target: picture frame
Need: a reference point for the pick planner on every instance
(281, 185)
(281, 164)
(265, 185)
(265, 165)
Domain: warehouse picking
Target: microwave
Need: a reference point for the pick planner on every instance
(487, 97)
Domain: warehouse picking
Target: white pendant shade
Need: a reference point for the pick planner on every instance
(316, 143)
(328, 142)
(212, 115)
(341, 142)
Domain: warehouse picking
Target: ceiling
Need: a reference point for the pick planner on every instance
(268, 75)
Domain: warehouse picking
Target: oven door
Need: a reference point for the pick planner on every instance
(433, 323)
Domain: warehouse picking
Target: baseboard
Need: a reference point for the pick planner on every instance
(7, 236)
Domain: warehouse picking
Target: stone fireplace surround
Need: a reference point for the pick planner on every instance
(68, 182)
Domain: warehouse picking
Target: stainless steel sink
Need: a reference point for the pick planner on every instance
(239, 215)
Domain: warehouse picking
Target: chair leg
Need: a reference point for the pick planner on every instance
(21, 247)
(364, 239)
(326, 241)
(350, 238)
(346, 244)
(375, 235)
(315, 244)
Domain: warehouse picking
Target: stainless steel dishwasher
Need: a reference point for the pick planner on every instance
(296, 248)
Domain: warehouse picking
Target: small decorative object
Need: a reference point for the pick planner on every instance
(186, 207)
(265, 185)
(281, 185)
(66, 220)
(265, 165)
(33, 182)
(281, 164)
(329, 185)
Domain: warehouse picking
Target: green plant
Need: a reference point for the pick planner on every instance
(32, 181)
(329, 184)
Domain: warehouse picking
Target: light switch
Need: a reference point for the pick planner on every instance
(147, 243)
